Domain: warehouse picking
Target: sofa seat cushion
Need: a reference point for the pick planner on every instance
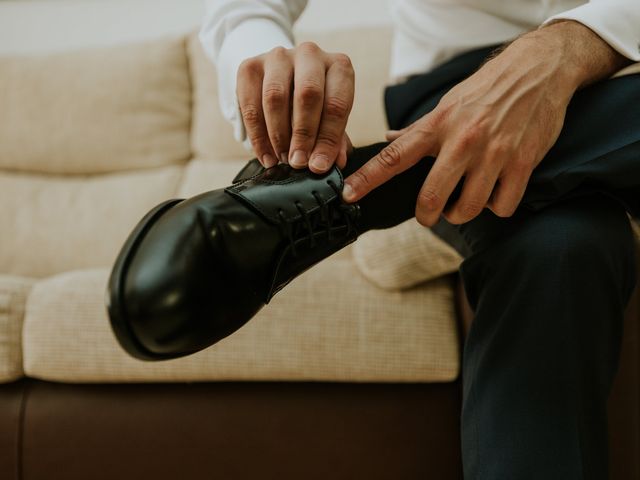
(329, 324)
(59, 223)
(96, 111)
(13, 296)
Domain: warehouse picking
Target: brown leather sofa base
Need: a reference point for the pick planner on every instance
(229, 431)
(624, 402)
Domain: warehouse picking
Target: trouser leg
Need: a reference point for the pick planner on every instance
(549, 288)
(549, 291)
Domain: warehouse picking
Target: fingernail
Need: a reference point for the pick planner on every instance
(347, 192)
(299, 159)
(321, 162)
(284, 157)
(268, 160)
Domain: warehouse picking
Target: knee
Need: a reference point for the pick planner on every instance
(590, 238)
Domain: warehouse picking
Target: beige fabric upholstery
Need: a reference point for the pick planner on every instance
(403, 256)
(328, 324)
(56, 223)
(203, 174)
(94, 111)
(211, 134)
(13, 295)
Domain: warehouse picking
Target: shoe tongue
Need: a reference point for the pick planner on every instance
(281, 187)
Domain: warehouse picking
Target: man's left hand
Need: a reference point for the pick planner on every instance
(493, 128)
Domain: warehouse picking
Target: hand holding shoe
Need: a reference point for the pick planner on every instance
(295, 104)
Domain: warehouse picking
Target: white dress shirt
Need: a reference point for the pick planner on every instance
(426, 32)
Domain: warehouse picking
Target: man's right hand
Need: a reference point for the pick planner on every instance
(295, 104)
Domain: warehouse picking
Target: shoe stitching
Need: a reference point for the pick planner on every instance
(234, 191)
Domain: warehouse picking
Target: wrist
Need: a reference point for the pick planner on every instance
(543, 57)
(587, 58)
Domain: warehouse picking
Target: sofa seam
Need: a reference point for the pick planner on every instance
(20, 433)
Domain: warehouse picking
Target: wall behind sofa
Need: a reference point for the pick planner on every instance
(32, 26)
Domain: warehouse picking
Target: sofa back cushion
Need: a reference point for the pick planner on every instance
(97, 110)
(54, 224)
(89, 142)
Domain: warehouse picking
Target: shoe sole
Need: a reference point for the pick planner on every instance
(115, 290)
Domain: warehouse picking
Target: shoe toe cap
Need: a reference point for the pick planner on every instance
(176, 296)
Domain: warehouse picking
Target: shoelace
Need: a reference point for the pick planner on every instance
(310, 221)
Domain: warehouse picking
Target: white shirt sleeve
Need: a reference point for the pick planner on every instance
(617, 22)
(234, 30)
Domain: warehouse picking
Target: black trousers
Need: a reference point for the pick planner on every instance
(548, 285)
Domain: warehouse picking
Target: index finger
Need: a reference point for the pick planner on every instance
(393, 159)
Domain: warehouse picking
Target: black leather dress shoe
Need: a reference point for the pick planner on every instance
(194, 271)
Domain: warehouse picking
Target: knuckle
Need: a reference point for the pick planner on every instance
(470, 208)
(470, 137)
(274, 95)
(429, 199)
(389, 157)
(499, 149)
(258, 137)
(259, 142)
(328, 140)
(279, 140)
(336, 107)
(250, 115)
(278, 52)
(309, 93)
(437, 116)
(250, 66)
(343, 61)
(425, 128)
(302, 133)
(309, 47)
(360, 180)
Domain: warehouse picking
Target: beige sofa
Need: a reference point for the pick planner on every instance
(89, 141)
